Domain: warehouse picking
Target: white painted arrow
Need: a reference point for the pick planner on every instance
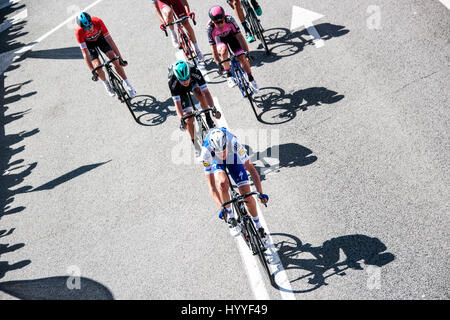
(305, 18)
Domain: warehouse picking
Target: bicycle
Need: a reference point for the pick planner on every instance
(183, 39)
(239, 75)
(115, 80)
(255, 25)
(248, 229)
(202, 125)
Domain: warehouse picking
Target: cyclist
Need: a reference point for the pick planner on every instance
(222, 30)
(92, 33)
(236, 5)
(222, 149)
(165, 10)
(183, 78)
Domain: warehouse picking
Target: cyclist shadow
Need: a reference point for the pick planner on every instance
(273, 159)
(211, 70)
(309, 267)
(154, 112)
(278, 107)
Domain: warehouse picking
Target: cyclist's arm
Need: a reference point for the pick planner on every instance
(113, 46)
(87, 58)
(178, 106)
(186, 6)
(215, 54)
(254, 174)
(213, 189)
(158, 12)
(242, 41)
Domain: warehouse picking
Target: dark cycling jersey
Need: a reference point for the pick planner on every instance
(178, 91)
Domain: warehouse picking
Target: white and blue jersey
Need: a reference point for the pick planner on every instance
(236, 157)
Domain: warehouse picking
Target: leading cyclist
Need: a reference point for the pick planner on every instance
(222, 29)
(183, 78)
(236, 5)
(165, 9)
(92, 33)
(222, 149)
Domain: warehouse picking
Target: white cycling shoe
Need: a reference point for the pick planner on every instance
(130, 90)
(231, 82)
(200, 56)
(109, 90)
(254, 86)
(233, 226)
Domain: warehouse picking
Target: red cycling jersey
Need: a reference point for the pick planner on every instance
(98, 30)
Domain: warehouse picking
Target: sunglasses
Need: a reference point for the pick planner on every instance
(88, 27)
(219, 21)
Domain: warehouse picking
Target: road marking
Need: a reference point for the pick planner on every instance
(305, 18)
(446, 3)
(8, 3)
(6, 60)
(12, 21)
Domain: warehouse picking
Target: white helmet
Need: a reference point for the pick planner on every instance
(217, 140)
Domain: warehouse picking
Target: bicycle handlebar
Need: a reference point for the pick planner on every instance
(242, 197)
(102, 65)
(178, 22)
(197, 113)
(232, 56)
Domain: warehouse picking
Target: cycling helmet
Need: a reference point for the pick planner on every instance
(216, 13)
(217, 140)
(84, 20)
(181, 70)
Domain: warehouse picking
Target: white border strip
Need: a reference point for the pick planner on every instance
(446, 3)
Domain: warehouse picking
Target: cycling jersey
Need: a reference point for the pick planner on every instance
(235, 159)
(177, 5)
(98, 31)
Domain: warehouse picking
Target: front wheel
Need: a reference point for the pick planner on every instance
(257, 246)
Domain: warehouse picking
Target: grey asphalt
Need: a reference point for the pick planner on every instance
(358, 193)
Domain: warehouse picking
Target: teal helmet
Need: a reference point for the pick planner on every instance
(181, 70)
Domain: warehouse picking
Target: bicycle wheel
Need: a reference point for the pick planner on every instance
(245, 88)
(257, 29)
(122, 94)
(187, 49)
(257, 245)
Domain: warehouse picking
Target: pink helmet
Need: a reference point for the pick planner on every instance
(216, 13)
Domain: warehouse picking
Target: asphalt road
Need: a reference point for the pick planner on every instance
(351, 139)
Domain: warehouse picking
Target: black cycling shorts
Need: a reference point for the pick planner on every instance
(100, 43)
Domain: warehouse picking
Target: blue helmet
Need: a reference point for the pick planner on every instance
(84, 20)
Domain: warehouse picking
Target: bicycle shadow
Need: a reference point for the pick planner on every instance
(211, 70)
(154, 112)
(276, 158)
(309, 267)
(278, 107)
(284, 43)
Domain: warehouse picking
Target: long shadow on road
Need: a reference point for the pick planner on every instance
(309, 267)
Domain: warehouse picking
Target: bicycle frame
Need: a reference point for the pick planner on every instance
(183, 39)
(116, 81)
(238, 73)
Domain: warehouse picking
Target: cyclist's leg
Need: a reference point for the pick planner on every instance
(187, 109)
(222, 183)
(200, 96)
(100, 72)
(111, 54)
(240, 13)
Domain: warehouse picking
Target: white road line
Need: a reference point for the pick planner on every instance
(12, 21)
(5, 63)
(8, 3)
(446, 3)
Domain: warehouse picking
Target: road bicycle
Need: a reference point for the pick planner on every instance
(115, 80)
(239, 76)
(255, 25)
(183, 40)
(197, 114)
(248, 229)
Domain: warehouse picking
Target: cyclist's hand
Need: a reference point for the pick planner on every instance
(94, 76)
(221, 69)
(122, 62)
(163, 26)
(263, 198)
(182, 125)
(191, 15)
(216, 113)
